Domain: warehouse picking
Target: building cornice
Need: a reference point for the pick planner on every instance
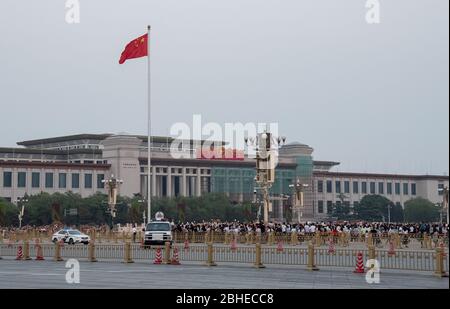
(208, 163)
(49, 151)
(53, 165)
(60, 139)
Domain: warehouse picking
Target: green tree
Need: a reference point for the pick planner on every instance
(420, 209)
(372, 208)
(44, 209)
(123, 208)
(67, 202)
(40, 210)
(8, 213)
(397, 214)
(207, 207)
(95, 210)
(136, 210)
(341, 211)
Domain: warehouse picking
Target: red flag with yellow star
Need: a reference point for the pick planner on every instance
(135, 49)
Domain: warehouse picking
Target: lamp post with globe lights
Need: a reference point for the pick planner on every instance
(299, 189)
(266, 148)
(21, 201)
(143, 201)
(444, 192)
(113, 187)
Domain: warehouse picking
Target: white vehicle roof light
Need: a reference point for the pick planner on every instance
(159, 216)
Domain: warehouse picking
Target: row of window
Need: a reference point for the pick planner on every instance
(90, 161)
(329, 205)
(178, 170)
(49, 180)
(86, 146)
(373, 188)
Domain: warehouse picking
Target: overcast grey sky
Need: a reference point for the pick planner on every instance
(374, 97)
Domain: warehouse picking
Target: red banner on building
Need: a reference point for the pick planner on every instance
(221, 153)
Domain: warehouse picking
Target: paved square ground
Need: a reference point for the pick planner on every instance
(50, 274)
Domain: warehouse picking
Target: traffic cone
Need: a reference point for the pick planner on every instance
(331, 248)
(233, 246)
(391, 248)
(186, 245)
(158, 256)
(38, 247)
(19, 253)
(280, 247)
(359, 269)
(39, 255)
(175, 259)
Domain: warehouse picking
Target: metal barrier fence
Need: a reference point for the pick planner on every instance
(423, 260)
(289, 256)
(319, 238)
(241, 254)
(193, 253)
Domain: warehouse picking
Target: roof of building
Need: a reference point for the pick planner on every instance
(295, 144)
(66, 138)
(49, 151)
(100, 137)
(326, 163)
(38, 164)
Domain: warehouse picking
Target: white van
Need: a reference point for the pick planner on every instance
(157, 233)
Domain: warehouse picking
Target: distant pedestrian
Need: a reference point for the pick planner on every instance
(134, 233)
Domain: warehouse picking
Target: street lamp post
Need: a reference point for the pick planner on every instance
(441, 210)
(444, 191)
(266, 156)
(21, 203)
(113, 187)
(299, 189)
(257, 203)
(143, 213)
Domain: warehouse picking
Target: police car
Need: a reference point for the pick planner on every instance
(71, 236)
(158, 232)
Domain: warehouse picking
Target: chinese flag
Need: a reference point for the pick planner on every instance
(135, 49)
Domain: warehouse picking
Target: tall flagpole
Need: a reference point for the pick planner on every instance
(149, 130)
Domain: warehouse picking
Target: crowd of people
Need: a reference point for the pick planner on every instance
(357, 228)
(52, 228)
(353, 228)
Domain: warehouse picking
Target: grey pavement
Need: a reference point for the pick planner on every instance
(50, 274)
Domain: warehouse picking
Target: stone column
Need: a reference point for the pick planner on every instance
(169, 182)
(192, 191)
(198, 185)
(153, 181)
(183, 182)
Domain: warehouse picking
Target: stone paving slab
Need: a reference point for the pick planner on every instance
(49, 274)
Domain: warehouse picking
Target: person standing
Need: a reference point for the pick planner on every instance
(134, 230)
